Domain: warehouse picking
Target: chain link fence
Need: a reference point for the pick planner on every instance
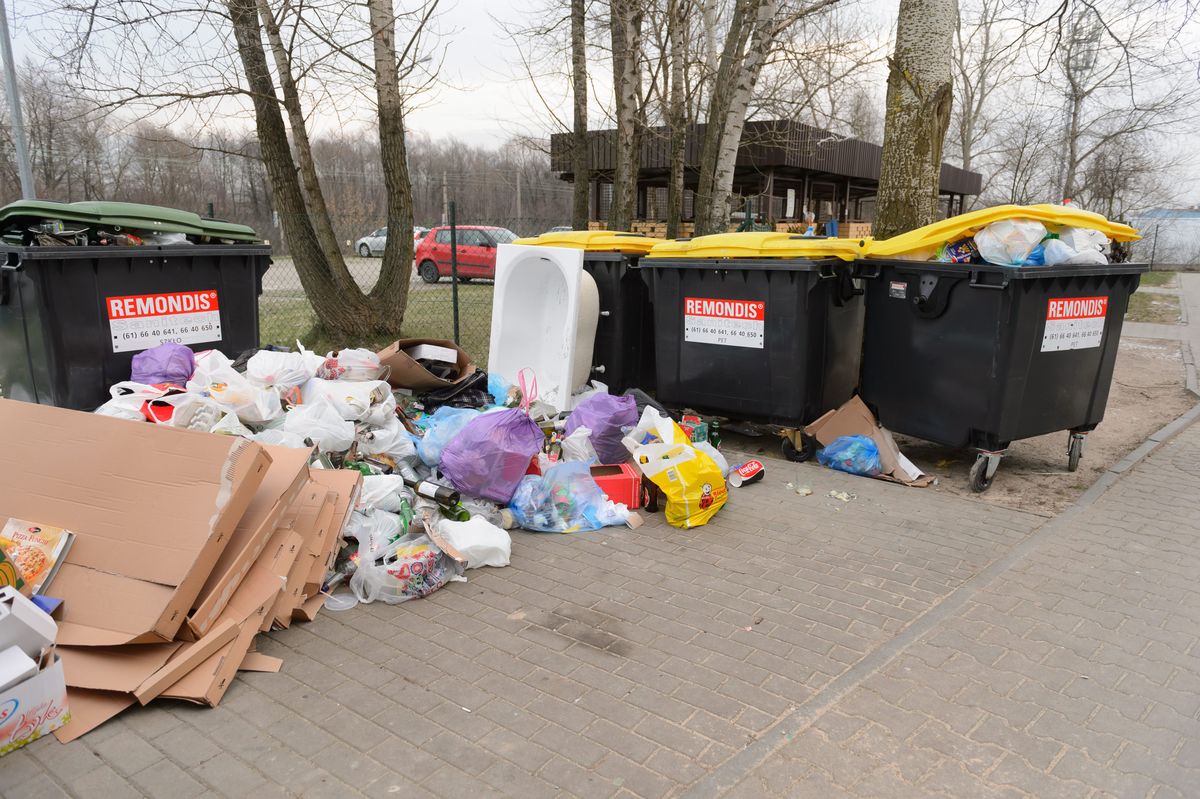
(436, 302)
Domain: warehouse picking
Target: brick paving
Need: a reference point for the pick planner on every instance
(904, 643)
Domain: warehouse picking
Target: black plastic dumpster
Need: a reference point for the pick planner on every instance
(977, 355)
(72, 318)
(623, 355)
(764, 327)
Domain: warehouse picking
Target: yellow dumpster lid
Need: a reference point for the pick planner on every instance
(758, 244)
(927, 239)
(594, 241)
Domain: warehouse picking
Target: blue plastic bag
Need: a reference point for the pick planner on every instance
(853, 455)
(564, 500)
(491, 454)
(444, 425)
(605, 415)
(499, 389)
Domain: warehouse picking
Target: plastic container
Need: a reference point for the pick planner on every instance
(759, 326)
(72, 318)
(977, 355)
(623, 356)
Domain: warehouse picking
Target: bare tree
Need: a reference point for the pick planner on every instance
(677, 120)
(579, 129)
(919, 98)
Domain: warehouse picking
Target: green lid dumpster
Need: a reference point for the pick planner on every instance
(85, 286)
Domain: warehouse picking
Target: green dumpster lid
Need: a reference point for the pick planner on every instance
(132, 216)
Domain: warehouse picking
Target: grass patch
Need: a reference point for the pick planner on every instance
(1162, 309)
(430, 314)
(1160, 279)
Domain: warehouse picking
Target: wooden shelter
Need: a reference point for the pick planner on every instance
(783, 168)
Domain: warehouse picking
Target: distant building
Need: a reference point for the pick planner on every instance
(782, 169)
(1169, 235)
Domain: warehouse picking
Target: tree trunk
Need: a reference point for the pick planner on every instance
(918, 112)
(1071, 161)
(625, 19)
(389, 298)
(314, 196)
(579, 137)
(677, 118)
(339, 313)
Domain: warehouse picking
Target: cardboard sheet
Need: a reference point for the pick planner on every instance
(89, 709)
(120, 487)
(186, 659)
(854, 418)
(257, 661)
(114, 668)
(281, 485)
(316, 508)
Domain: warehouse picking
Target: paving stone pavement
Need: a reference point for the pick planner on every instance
(796, 645)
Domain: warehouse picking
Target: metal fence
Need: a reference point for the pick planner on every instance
(437, 308)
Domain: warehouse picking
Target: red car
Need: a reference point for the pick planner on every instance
(476, 252)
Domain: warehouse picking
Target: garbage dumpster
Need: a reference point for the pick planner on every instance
(72, 317)
(763, 326)
(979, 355)
(623, 356)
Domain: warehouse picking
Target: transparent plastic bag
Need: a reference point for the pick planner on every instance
(230, 425)
(564, 499)
(578, 446)
(389, 439)
(282, 370)
(385, 492)
(414, 567)
(215, 377)
(443, 425)
(374, 529)
(1009, 241)
(853, 455)
(368, 401)
(321, 423)
(353, 364)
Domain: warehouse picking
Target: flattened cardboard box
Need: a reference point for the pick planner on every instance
(347, 483)
(854, 418)
(316, 509)
(151, 508)
(280, 487)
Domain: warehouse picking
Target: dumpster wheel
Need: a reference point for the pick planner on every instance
(983, 470)
(806, 452)
(1075, 451)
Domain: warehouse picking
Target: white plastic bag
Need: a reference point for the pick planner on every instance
(1085, 241)
(283, 370)
(126, 400)
(389, 439)
(230, 425)
(280, 438)
(1056, 251)
(1009, 241)
(383, 491)
(353, 364)
(578, 446)
(353, 400)
(478, 540)
(374, 529)
(708, 449)
(320, 422)
(215, 377)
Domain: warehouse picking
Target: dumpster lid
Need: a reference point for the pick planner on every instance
(931, 237)
(594, 241)
(756, 244)
(1004, 273)
(133, 216)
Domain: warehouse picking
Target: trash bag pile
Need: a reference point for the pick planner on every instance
(449, 464)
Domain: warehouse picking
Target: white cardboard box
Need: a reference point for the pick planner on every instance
(15, 667)
(432, 352)
(24, 624)
(33, 708)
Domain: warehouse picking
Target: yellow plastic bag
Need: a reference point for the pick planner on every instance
(690, 481)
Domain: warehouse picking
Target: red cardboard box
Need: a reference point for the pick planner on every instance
(620, 482)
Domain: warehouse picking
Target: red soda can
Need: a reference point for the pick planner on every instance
(749, 472)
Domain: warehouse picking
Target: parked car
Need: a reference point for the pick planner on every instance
(560, 229)
(373, 243)
(476, 252)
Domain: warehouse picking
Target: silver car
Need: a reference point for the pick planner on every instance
(373, 243)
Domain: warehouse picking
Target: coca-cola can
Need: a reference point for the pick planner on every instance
(749, 472)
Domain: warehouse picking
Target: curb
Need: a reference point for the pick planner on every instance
(727, 775)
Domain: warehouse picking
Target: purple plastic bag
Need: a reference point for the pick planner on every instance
(166, 363)
(491, 454)
(605, 415)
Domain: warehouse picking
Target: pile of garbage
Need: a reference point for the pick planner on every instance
(41, 223)
(1012, 235)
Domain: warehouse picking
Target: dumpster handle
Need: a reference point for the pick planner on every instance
(12, 263)
(934, 305)
(979, 280)
(846, 288)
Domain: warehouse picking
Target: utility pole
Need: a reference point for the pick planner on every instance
(445, 197)
(519, 202)
(14, 104)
